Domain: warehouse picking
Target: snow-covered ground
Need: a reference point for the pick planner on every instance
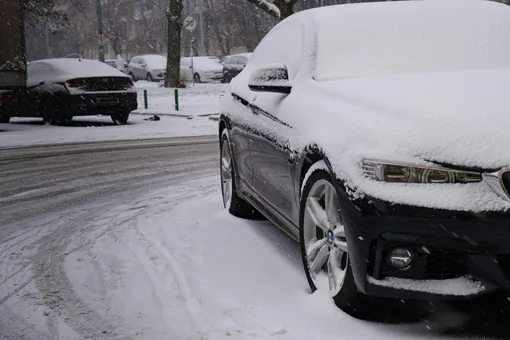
(200, 99)
(175, 265)
(197, 104)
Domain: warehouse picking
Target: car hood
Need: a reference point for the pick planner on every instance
(455, 118)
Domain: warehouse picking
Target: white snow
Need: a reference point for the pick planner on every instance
(454, 117)
(31, 131)
(68, 68)
(175, 265)
(155, 61)
(462, 286)
(412, 37)
(198, 100)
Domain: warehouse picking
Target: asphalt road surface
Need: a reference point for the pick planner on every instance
(48, 194)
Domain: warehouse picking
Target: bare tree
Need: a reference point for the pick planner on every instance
(173, 66)
(278, 8)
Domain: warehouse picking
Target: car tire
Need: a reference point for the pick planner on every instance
(5, 118)
(227, 78)
(150, 78)
(231, 200)
(48, 112)
(196, 78)
(324, 249)
(120, 118)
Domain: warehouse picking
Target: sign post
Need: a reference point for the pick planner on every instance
(190, 24)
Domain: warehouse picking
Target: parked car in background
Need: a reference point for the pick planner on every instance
(113, 63)
(205, 69)
(150, 67)
(233, 65)
(59, 89)
(376, 136)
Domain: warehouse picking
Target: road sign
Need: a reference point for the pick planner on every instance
(189, 23)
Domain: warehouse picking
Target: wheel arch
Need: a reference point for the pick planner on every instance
(311, 155)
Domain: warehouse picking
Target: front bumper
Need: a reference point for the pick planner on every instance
(468, 252)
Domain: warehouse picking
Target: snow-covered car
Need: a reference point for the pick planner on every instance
(204, 69)
(58, 89)
(233, 65)
(150, 67)
(376, 136)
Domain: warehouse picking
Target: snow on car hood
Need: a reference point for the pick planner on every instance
(458, 118)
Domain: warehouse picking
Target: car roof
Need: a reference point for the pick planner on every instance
(79, 68)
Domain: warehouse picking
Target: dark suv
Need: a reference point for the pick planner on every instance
(233, 65)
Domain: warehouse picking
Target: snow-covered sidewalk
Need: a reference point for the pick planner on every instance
(32, 131)
(197, 100)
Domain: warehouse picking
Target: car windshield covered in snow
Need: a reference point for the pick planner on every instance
(384, 40)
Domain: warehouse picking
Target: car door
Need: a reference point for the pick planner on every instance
(272, 159)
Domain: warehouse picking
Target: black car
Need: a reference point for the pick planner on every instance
(376, 137)
(59, 89)
(233, 65)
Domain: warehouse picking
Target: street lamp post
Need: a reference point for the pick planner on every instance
(100, 30)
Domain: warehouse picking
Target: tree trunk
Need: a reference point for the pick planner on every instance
(173, 66)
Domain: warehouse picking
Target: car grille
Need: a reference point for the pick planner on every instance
(444, 264)
(101, 84)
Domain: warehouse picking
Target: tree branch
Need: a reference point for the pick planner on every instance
(267, 7)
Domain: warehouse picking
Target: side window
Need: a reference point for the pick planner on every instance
(243, 61)
(236, 61)
(271, 50)
(142, 61)
(228, 61)
(134, 61)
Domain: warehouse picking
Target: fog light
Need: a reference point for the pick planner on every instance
(400, 258)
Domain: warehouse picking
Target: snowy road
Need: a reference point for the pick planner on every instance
(128, 240)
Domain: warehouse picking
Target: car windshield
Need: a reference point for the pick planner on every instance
(411, 40)
(155, 61)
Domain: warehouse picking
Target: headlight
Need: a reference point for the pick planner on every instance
(400, 173)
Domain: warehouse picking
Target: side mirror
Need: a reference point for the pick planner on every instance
(270, 78)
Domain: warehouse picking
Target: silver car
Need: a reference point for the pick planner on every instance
(150, 67)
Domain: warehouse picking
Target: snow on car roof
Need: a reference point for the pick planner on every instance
(79, 68)
(409, 37)
(155, 60)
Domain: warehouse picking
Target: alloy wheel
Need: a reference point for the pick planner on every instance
(324, 238)
(226, 174)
